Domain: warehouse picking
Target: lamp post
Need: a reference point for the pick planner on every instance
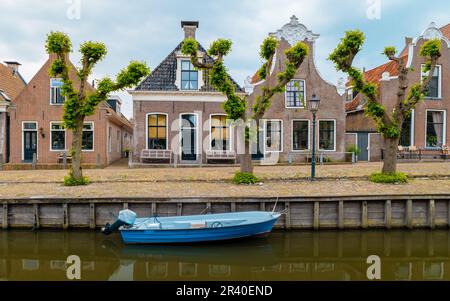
(313, 105)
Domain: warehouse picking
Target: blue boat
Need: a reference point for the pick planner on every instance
(192, 229)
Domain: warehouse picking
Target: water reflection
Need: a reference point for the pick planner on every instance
(415, 255)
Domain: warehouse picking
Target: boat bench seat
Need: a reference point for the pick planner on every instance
(156, 154)
(221, 155)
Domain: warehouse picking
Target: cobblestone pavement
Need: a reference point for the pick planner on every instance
(123, 174)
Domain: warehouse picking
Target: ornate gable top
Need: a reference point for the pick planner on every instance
(294, 32)
(432, 32)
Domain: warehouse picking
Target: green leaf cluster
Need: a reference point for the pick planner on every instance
(243, 178)
(392, 178)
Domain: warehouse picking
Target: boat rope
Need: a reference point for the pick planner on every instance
(275, 207)
(205, 210)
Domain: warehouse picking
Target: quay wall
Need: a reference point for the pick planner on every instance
(313, 213)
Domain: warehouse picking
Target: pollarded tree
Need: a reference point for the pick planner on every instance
(236, 106)
(82, 101)
(389, 118)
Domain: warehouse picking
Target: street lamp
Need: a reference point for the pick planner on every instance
(313, 106)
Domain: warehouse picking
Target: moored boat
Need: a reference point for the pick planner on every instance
(192, 229)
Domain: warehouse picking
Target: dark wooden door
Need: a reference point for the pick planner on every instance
(29, 145)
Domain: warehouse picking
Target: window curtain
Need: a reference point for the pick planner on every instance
(438, 126)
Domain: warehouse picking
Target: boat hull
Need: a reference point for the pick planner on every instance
(197, 235)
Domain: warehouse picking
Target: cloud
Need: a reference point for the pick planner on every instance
(149, 30)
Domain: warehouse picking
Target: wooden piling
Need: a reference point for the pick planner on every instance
(409, 214)
(341, 215)
(5, 216)
(287, 207)
(432, 214)
(316, 221)
(388, 214)
(37, 223)
(364, 215)
(92, 221)
(179, 209)
(66, 222)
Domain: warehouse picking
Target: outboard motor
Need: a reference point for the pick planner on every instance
(126, 218)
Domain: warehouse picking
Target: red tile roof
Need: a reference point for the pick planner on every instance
(374, 75)
(10, 84)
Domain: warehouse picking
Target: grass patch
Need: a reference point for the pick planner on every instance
(394, 178)
(241, 178)
(71, 181)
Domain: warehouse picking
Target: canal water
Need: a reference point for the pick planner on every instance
(405, 255)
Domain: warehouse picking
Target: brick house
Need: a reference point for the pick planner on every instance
(175, 91)
(287, 126)
(427, 128)
(175, 110)
(11, 84)
(36, 127)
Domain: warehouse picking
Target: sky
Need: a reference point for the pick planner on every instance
(148, 30)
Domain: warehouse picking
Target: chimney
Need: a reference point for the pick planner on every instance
(408, 41)
(14, 66)
(189, 27)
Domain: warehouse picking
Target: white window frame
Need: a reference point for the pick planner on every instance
(281, 136)
(444, 127)
(412, 128)
(422, 74)
(93, 137)
(292, 136)
(304, 95)
(51, 140)
(348, 92)
(229, 130)
(146, 128)
(197, 134)
(318, 135)
(50, 98)
(37, 137)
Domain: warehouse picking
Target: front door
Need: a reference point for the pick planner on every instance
(29, 145)
(363, 145)
(188, 137)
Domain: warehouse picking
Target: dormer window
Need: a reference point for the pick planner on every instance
(55, 92)
(189, 76)
(295, 94)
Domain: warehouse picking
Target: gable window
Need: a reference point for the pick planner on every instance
(55, 92)
(157, 131)
(435, 129)
(88, 136)
(300, 135)
(274, 136)
(220, 133)
(189, 76)
(295, 94)
(327, 135)
(434, 87)
(57, 136)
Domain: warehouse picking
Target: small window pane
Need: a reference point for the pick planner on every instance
(30, 126)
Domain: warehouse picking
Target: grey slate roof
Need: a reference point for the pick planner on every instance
(164, 76)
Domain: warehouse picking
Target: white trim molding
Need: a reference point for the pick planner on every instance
(65, 136)
(318, 135)
(281, 135)
(167, 128)
(444, 127)
(292, 136)
(176, 96)
(37, 138)
(229, 131)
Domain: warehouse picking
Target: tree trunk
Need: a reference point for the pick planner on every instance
(390, 155)
(246, 159)
(77, 144)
